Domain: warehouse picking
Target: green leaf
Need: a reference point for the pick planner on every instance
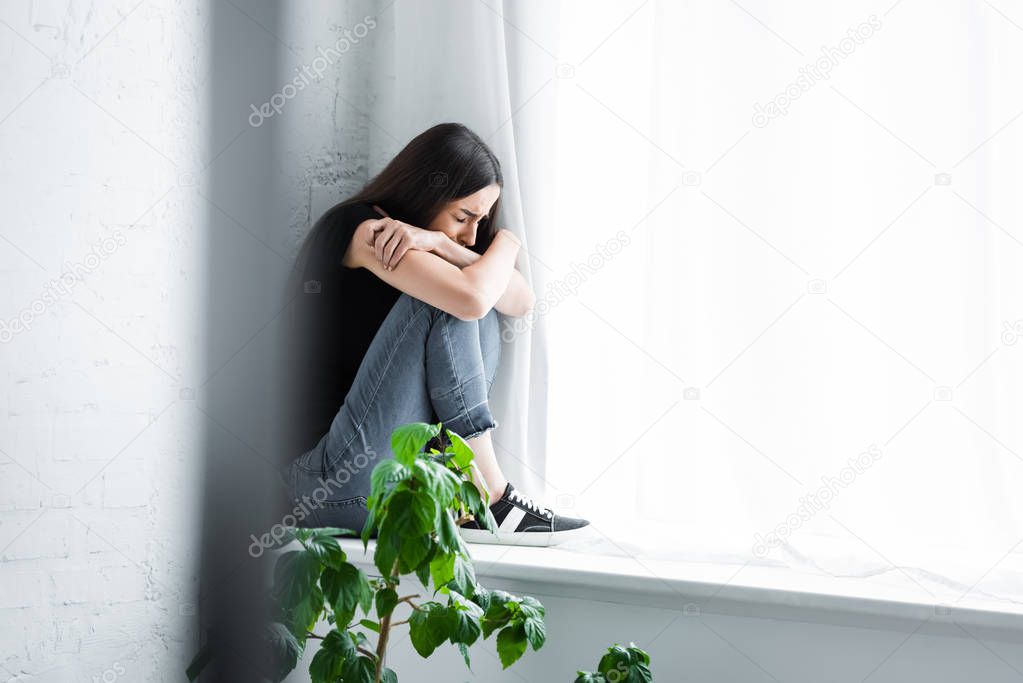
(587, 677)
(442, 569)
(536, 632)
(481, 596)
(359, 669)
(447, 535)
(303, 616)
(532, 607)
(464, 622)
(460, 449)
(385, 473)
(414, 552)
(639, 673)
(464, 649)
(386, 552)
(428, 627)
(328, 662)
(408, 440)
(322, 531)
(440, 482)
(295, 575)
(386, 601)
(388, 676)
(285, 647)
(471, 499)
(511, 644)
(371, 625)
(497, 613)
(464, 576)
(199, 662)
(368, 528)
(412, 513)
(326, 549)
(346, 588)
(302, 535)
(638, 654)
(423, 574)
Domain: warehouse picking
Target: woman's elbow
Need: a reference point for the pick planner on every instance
(528, 304)
(471, 307)
(520, 306)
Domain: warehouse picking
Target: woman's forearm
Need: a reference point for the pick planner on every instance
(490, 274)
(516, 300)
(453, 252)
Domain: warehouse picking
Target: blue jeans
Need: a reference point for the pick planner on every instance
(424, 365)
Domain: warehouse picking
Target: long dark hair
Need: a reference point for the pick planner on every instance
(445, 162)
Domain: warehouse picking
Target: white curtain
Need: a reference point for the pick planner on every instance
(787, 334)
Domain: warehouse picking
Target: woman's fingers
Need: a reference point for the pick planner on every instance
(399, 237)
(375, 228)
(399, 252)
(381, 241)
(391, 240)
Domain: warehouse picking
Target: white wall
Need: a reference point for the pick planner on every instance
(102, 146)
(713, 648)
(703, 633)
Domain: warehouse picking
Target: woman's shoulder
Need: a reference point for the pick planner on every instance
(351, 214)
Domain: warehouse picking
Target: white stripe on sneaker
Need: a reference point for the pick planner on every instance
(512, 519)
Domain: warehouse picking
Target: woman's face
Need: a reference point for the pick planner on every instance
(459, 219)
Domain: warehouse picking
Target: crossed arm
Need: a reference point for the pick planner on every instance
(435, 269)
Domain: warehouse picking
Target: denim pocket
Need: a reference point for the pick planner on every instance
(348, 514)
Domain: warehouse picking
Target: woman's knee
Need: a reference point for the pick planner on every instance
(490, 343)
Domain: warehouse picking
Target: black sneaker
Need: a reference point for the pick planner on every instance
(520, 521)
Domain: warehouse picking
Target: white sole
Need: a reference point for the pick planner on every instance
(537, 539)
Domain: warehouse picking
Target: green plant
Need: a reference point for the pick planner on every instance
(620, 665)
(416, 501)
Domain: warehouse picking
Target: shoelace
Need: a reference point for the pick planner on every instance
(531, 504)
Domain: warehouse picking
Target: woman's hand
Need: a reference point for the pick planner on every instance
(391, 240)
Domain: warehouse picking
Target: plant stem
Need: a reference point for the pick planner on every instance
(385, 630)
(408, 599)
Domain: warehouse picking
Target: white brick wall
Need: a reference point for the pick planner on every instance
(100, 142)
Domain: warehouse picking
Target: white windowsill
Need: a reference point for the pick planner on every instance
(752, 591)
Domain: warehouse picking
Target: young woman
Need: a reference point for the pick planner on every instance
(398, 291)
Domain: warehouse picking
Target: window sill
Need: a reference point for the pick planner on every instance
(738, 590)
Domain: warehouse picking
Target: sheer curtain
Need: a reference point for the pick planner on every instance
(783, 285)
